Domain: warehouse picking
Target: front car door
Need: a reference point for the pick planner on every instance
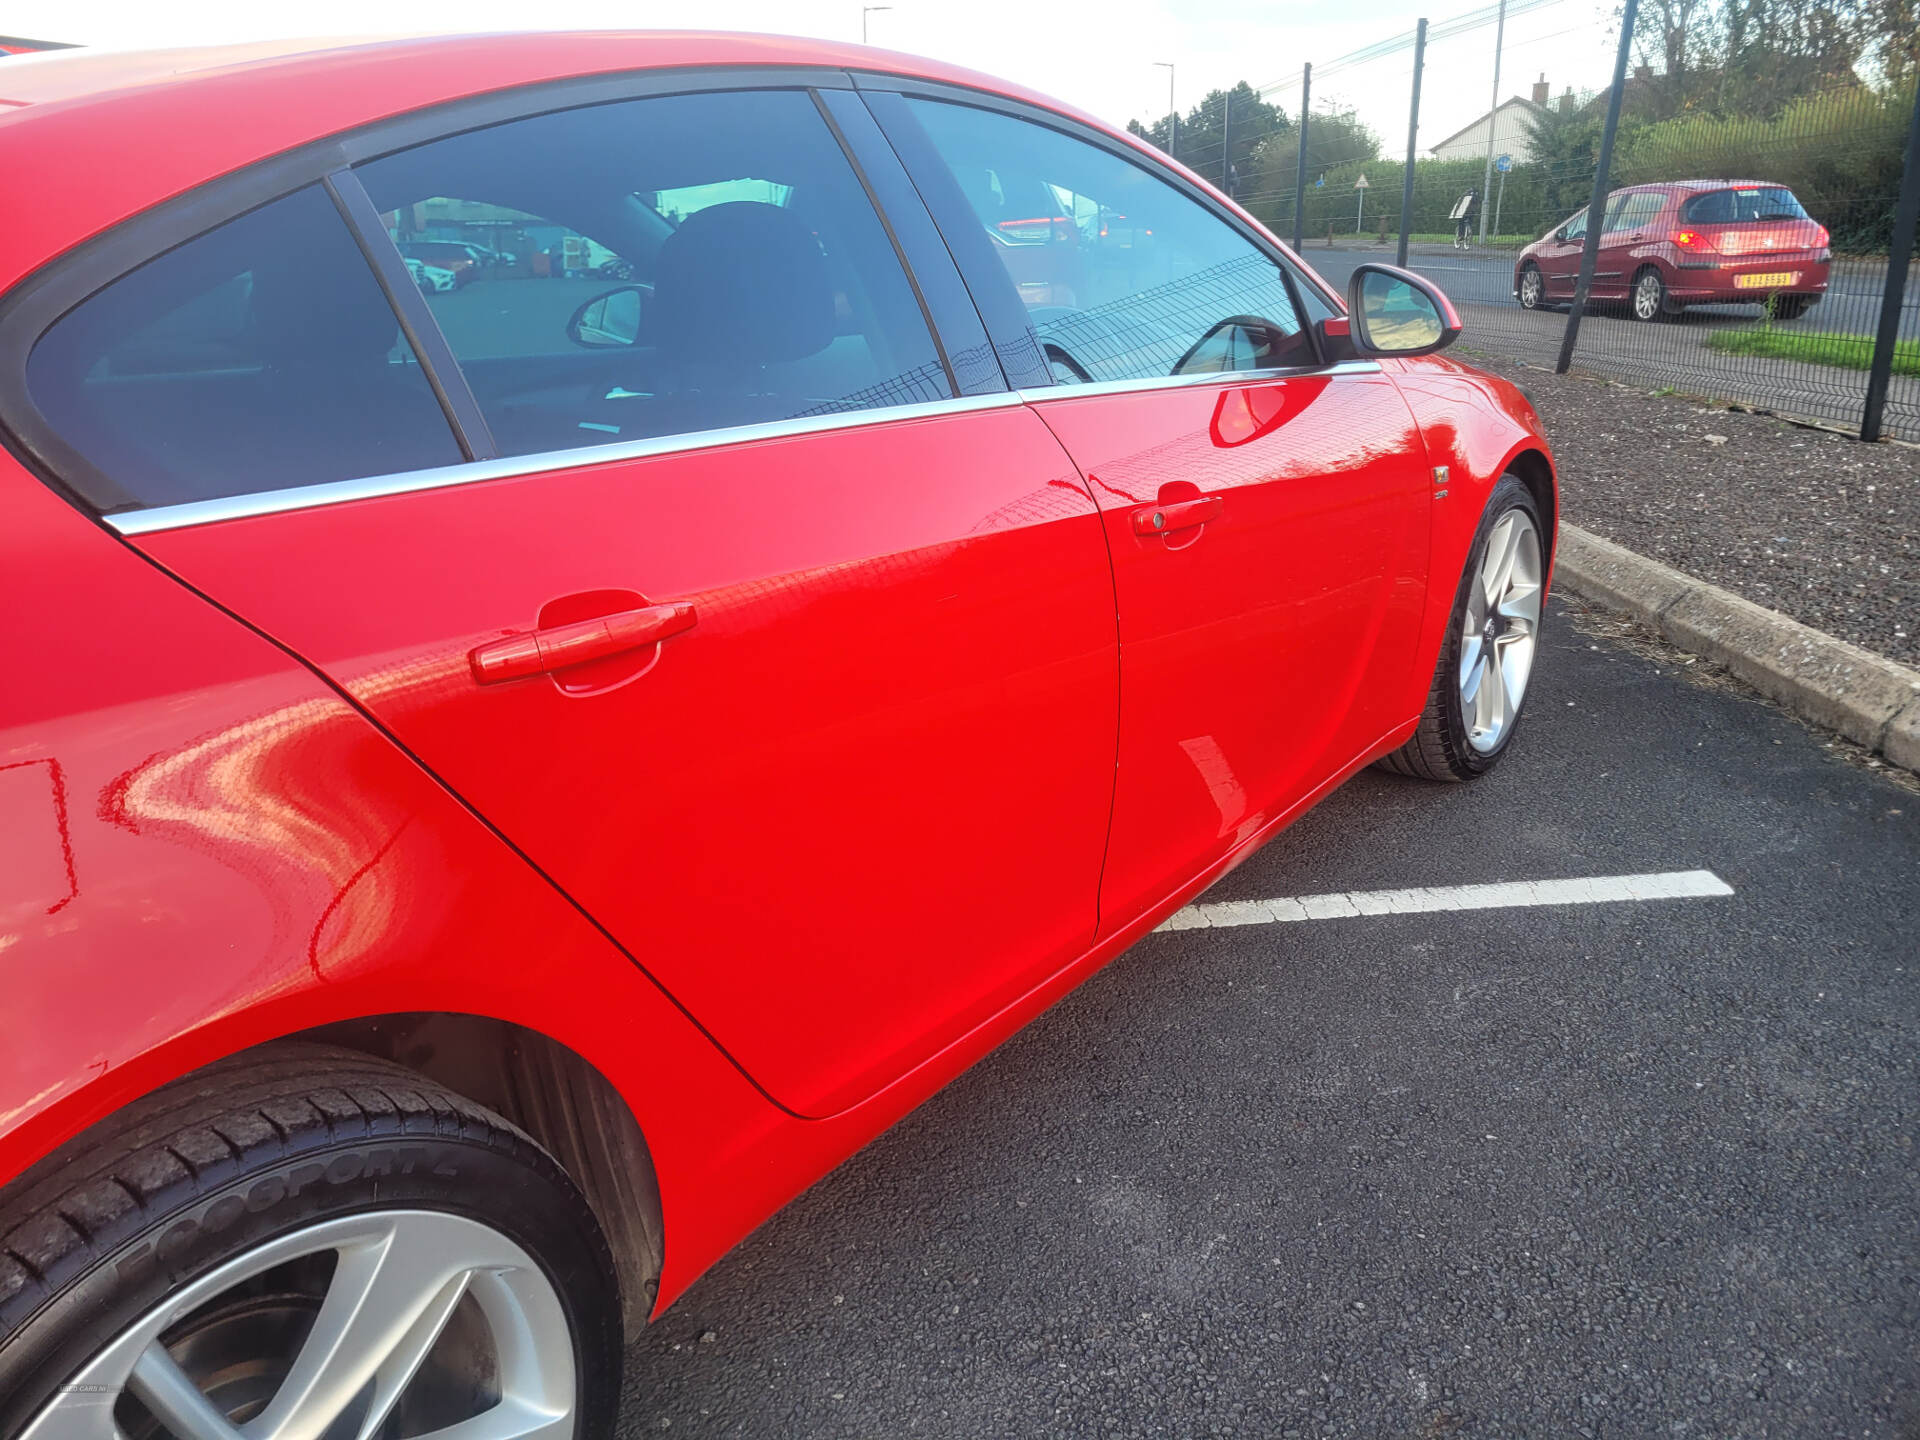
(786, 654)
(1559, 258)
(1267, 514)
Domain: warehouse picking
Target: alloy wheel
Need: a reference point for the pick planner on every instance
(1530, 289)
(1648, 296)
(1498, 637)
(383, 1324)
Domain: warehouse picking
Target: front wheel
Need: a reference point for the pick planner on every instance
(1533, 288)
(310, 1243)
(1486, 661)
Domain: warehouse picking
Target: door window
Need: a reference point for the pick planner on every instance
(258, 356)
(667, 265)
(1123, 277)
(1632, 212)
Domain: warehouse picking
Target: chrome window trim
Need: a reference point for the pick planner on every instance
(507, 467)
(1068, 390)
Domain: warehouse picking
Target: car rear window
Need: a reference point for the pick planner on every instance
(1744, 204)
(259, 356)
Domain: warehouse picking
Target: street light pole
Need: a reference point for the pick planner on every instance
(866, 10)
(1173, 116)
(1493, 120)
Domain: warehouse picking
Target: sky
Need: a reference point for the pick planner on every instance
(1097, 54)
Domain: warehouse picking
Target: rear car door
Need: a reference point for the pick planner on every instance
(1630, 220)
(786, 654)
(1267, 514)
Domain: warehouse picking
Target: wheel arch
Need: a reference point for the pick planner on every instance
(1536, 473)
(559, 1098)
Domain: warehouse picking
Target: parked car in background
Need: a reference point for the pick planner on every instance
(431, 279)
(492, 812)
(458, 260)
(1687, 242)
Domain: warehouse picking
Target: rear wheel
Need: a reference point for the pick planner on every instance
(1791, 307)
(309, 1243)
(1649, 296)
(1486, 660)
(1533, 287)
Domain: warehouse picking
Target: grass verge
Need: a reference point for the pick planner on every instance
(1814, 347)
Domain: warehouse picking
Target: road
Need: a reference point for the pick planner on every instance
(1851, 306)
(1608, 1170)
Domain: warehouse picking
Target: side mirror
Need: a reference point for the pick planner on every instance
(609, 321)
(1239, 342)
(1561, 234)
(1395, 312)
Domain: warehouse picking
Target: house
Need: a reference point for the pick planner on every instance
(1512, 125)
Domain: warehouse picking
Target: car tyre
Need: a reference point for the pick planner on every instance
(1792, 307)
(1650, 302)
(1462, 734)
(228, 1225)
(1533, 287)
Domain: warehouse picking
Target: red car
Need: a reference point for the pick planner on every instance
(489, 814)
(1691, 242)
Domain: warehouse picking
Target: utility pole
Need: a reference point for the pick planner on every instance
(1413, 133)
(1597, 205)
(1300, 170)
(1173, 116)
(1493, 120)
(866, 10)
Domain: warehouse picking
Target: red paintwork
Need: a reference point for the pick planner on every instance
(1699, 264)
(845, 832)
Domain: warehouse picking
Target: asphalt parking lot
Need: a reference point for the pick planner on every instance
(1629, 1169)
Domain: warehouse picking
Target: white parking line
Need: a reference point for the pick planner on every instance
(1422, 900)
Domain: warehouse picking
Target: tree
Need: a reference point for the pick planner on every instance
(1201, 140)
(1565, 146)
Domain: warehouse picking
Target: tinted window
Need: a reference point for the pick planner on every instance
(659, 266)
(258, 356)
(1748, 203)
(1123, 277)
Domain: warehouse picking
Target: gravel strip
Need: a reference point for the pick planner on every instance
(1813, 524)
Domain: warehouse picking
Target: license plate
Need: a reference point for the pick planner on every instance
(1770, 280)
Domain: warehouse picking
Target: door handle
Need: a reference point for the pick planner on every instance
(1180, 515)
(541, 652)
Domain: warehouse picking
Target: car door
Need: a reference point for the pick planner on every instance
(792, 666)
(1267, 514)
(1628, 219)
(1559, 257)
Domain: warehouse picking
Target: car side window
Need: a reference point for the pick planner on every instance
(1123, 277)
(258, 356)
(1576, 228)
(1632, 212)
(658, 267)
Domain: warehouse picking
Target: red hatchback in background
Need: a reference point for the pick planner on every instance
(496, 799)
(1687, 242)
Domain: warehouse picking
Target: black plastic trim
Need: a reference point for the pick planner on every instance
(423, 332)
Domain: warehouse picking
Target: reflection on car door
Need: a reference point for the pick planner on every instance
(846, 791)
(1269, 532)
(1560, 259)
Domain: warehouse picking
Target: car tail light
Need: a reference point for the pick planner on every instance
(1691, 240)
(1821, 237)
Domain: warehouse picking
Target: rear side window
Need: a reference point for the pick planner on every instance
(1123, 277)
(258, 356)
(658, 267)
(1634, 211)
(1748, 203)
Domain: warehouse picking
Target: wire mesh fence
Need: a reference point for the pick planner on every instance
(1744, 243)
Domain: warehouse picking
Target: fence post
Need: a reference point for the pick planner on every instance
(1413, 131)
(1597, 205)
(1906, 217)
(1226, 144)
(1300, 171)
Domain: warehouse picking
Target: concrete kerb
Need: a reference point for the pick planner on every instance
(1863, 696)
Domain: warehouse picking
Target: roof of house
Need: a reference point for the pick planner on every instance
(1480, 120)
